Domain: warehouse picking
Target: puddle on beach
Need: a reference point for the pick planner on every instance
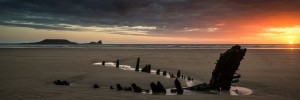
(234, 90)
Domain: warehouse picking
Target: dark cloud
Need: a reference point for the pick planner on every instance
(168, 16)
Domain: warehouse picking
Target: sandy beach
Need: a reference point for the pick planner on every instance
(28, 73)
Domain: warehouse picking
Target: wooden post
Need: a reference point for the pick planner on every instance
(149, 68)
(157, 71)
(103, 63)
(164, 73)
(178, 87)
(178, 74)
(117, 64)
(137, 64)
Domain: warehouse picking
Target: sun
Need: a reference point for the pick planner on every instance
(291, 42)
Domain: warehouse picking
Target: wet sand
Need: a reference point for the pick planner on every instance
(28, 73)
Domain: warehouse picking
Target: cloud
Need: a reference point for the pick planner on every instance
(144, 17)
(290, 32)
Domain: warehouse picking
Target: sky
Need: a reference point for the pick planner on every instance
(151, 21)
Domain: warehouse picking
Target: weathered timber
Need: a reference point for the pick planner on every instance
(154, 88)
(161, 88)
(137, 67)
(147, 69)
(127, 89)
(226, 66)
(157, 88)
(200, 87)
(157, 71)
(136, 88)
(58, 82)
(144, 69)
(179, 89)
(178, 74)
(95, 86)
(103, 63)
(164, 73)
(189, 78)
(119, 87)
(118, 63)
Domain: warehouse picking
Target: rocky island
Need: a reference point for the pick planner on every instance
(99, 42)
(60, 41)
(53, 41)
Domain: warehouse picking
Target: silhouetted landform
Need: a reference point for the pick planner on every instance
(54, 41)
(99, 42)
(225, 70)
(61, 41)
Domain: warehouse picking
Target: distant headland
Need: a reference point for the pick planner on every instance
(99, 42)
(60, 41)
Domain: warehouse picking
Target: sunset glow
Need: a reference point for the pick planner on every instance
(140, 22)
(289, 34)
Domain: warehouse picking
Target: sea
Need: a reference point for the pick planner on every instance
(154, 46)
